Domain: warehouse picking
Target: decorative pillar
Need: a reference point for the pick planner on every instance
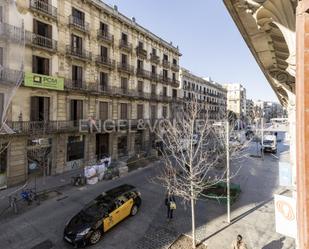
(302, 117)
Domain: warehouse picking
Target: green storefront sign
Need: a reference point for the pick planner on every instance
(43, 81)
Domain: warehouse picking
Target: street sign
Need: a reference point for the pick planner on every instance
(285, 213)
(285, 174)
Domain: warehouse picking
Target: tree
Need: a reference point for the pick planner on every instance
(192, 149)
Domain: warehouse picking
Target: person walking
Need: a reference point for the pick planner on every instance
(170, 205)
(239, 243)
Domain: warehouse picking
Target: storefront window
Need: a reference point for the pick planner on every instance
(122, 146)
(75, 148)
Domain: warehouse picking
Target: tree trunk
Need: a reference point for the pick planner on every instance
(193, 218)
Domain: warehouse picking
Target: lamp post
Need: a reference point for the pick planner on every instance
(228, 171)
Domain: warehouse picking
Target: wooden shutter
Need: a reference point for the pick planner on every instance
(34, 106)
(46, 66)
(46, 108)
(34, 64)
(79, 109)
(35, 26)
(123, 111)
(140, 111)
(49, 31)
(72, 110)
(103, 109)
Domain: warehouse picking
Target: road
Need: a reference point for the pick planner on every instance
(42, 226)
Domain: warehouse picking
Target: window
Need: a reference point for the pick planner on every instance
(140, 45)
(3, 159)
(138, 141)
(165, 57)
(122, 146)
(78, 17)
(1, 106)
(76, 112)
(42, 29)
(174, 77)
(153, 89)
(75, 148)
(165, 74)
(124, 38)
(124, 59)
(140, 64)
(153, 112)
(104, 28)
(174, 61)
(39, 108)
(174, 93)
(123, 111)
(154, 52)
(103, 81)
(124, 84)
(140, 111)
(77, 76)
(164, 91)
(103, 111)
(104, 52)
(153, 69)
(140, 86)
(40, 65)
(77, 44)
(1, 56)
(164, 112)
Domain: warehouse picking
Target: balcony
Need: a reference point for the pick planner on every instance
(105, 37)
(42, 42)
(154, 76)
(174, 83)
(79, 24)
(126, 46)
(42, 127)
(43, 8)
(78, 53)
(78, 85)
(10, 77)
(11, 33)
(165, 63)
(154, 58)
(105, 62)
(125, 68)
(175, 67)
(165, 79)
(143, 73)
(141, 52)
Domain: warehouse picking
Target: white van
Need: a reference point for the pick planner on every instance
(270, 143)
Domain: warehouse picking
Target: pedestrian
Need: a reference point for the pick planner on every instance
(239, 243)
(170, 205)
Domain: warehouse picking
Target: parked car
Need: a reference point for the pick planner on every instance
(101, 214)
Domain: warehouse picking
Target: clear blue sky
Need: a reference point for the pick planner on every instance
(207, 37)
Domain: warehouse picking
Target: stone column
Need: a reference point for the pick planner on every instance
(302, 117)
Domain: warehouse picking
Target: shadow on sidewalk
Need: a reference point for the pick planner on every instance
(275, 244)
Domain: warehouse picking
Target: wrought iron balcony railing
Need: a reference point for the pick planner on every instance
(79, 24)
(105, 36)
(43, 7)
(165, 63)
(11, 33)
(125, 67)
(125, 45)
(78, 53)
(141, 52)
(41, 41)
(140, 72)
(175, 67)
(154, 58)
(105, 61)
(76, 85)
(10, 77)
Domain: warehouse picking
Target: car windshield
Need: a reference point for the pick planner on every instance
(268, 142)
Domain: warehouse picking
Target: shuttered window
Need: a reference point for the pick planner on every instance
(39, 108)
(77, 44)
(140, 86)
(103, 110)
(1, 56)
(124, 84)
(140, 111)
(76, 112)
(164, 91)
(77, 76)
(153, 89)
(123, 111)
(40, 65)
(103, 81)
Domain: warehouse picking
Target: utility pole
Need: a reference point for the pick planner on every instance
(262, 136)
(228, 171)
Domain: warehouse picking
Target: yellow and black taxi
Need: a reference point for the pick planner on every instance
(101, 214)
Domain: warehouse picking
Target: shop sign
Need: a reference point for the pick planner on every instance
(43, 81)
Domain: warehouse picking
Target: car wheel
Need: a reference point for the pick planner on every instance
(95, 237)
(134, 210)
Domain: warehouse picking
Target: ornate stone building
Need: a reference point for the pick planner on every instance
(236, 99)
(84, 63)
(210, 95)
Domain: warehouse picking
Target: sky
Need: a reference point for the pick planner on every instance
(208, 39)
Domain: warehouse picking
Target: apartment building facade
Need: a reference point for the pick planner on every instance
(236, 99)
(85, 64)
(210, 95)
